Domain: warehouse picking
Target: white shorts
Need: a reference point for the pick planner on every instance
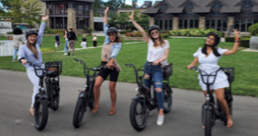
(214, 86)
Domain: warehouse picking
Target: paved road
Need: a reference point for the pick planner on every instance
(184, 120)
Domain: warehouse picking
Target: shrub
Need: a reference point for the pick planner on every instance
(196, 32)
(229, 39)
(165, 35)
(137, 34)
(245, 42)
(129, 34)
(253, 29)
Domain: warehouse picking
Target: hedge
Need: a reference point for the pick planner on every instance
(194, 32)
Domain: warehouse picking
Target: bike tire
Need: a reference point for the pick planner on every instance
(79, 111)
(168, 99)
(207, 122)
(40, 114)
(138, 124)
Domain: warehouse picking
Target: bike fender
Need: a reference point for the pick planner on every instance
(81, 95)
(138, 98)
(40, 96)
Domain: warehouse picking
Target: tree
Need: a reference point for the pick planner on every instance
(98, 4)
(134, 3)
(32, 11)
(26, 11)
(114, 4)
(4, 6)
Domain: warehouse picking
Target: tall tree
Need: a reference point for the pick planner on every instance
(25, 11)
(32, 11)
(4, 6)
(134, 3)
(98, 4)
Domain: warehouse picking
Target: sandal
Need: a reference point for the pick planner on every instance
(31, 111)
(112, 111)
(95, 110)
(229, 123)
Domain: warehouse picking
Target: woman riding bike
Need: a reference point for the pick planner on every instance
(208, 57)
(30, 52)
(158, 49)
(111, 48)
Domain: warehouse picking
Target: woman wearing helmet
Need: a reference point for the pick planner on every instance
(208, 57)
(158, 50)
(111, 48)
(30, 52)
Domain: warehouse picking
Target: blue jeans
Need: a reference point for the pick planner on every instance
(15, 54)
(66, 47)
(154, 73)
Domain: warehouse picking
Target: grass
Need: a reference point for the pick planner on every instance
(181, 54)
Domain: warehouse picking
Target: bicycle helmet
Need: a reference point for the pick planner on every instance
(153, 27)
(217, 38)
(30, 33)
(112, 30)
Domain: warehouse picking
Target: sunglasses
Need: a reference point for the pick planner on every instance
(154, 32)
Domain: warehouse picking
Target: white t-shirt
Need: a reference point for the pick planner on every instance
(156, 53)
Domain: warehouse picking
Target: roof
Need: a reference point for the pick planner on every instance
(200, 6)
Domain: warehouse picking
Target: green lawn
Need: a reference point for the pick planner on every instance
(181, 54)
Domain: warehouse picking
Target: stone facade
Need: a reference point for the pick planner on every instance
(175, 23)
(71, 19)
(202, 22)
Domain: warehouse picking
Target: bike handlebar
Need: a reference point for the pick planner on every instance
(87, 68)
(136, 73)
(205, 74)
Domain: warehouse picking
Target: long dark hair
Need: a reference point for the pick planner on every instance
(214, 49)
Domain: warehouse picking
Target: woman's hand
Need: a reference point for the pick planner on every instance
(23, 61)
(110, 65)
(189, 66)
(44, 18)
(106, 10)
(157, 62)
(131, 16)
(236, 32)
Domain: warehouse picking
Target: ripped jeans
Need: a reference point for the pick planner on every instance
(154, 73)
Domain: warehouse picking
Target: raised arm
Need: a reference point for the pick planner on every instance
(139, 28)
(41, 30)
(236, 44)
(105, 26)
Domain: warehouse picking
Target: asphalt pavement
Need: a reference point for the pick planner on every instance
(183, 120)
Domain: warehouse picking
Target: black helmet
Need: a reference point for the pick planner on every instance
(30, 33)
(217, 37)
(153, 27)
(112, 30)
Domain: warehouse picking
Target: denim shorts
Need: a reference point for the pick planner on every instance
(153, 73)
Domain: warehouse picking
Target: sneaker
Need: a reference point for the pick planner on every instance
(65, 53)
(14, 60)
(160, 120)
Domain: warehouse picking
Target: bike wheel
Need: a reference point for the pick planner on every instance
(138, 115)
(40, 114)
(168, 99)
(79, 111)
(207, 122)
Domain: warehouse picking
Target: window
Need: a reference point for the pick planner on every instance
(243, 24)
(188, 23)
(164, 23)
(82, 22)
(217, 24)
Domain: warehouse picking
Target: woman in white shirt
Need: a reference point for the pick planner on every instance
(208, 57)
(158, 49)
